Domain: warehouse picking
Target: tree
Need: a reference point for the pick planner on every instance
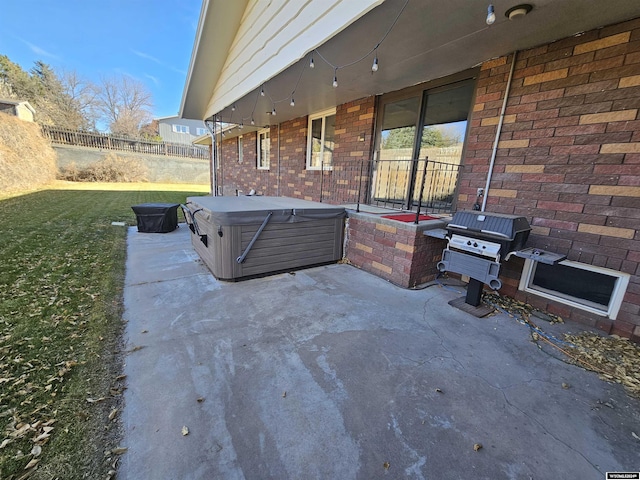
(431, 137)
(16, 83)
(55, 103)
(82, 97)
(124, 103)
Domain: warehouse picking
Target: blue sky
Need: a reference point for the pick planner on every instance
(148, 40)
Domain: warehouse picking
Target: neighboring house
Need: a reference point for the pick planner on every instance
(180, 130)
(565, 153)
(21, 109)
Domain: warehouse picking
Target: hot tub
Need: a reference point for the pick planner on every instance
(240, 237)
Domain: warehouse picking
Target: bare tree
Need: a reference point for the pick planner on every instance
(82, 95)
(124, 103)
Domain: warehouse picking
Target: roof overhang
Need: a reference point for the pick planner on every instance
(431, 39)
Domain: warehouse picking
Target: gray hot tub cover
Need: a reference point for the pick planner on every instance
(246, 210)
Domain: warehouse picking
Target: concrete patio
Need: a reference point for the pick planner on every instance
(333, 373)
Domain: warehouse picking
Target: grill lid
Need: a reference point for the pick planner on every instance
(496, 225)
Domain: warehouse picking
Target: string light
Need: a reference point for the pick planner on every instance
(491, 15)
(374, 68)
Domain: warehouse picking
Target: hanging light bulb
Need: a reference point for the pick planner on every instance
(262, 91)
(311, 64)
(293, 102)
(253, 122)
(335, 78)
(273, 112)
(491, 15)
(374, 67)
(241, 126)
(233, 107)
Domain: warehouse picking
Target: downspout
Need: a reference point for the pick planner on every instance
(498, 132)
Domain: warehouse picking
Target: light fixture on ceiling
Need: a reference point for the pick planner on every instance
(491, 15)
(518, 11)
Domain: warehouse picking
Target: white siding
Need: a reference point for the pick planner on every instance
(274, 35)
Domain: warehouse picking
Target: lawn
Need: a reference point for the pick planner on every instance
(61, 282)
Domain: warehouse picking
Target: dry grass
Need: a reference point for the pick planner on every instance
(112, 168)
(26, 158)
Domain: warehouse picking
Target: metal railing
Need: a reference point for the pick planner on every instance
(79, 138)
(417, 185)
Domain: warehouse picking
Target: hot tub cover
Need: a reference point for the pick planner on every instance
(246, 210)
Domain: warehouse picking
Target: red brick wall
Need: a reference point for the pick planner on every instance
(568, 157)
(395, 251)
(354, 134)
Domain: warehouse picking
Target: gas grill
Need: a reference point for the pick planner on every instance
(477, 242)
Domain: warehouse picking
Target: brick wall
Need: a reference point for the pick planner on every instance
(398, 252)
(568, 156)
(353, 138)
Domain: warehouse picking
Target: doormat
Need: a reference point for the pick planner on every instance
(408, 217)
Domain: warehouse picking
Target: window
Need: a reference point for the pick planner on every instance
(240, 153)
(321, 139)
(200, 131)
(180, 128)
(594, 289)
(264, 149)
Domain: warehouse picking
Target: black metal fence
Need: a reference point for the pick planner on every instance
(418, 185)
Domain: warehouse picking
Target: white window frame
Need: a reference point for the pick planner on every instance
(617, 295)
(259, 160)
(180, 128)
(323, 115)
(200, 131)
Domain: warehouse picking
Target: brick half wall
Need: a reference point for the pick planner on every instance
(396, 251)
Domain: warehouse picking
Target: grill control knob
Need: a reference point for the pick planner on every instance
(475, 244)
(469, 242)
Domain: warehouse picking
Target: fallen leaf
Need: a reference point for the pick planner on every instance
(144, 331)
(438, 390)
(36, 450)
(633, 434)
(284, 394)
(200, 399)
(120, 377)
(386, 465)
(477, 446)
(91, 400)
(566, 386)
(113, 414)
(7, 441)
(32, 463)
(119, 450)
(185, 431)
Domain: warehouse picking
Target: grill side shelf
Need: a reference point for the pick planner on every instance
(539, 255)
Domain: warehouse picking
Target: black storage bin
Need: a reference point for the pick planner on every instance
(156, 217)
